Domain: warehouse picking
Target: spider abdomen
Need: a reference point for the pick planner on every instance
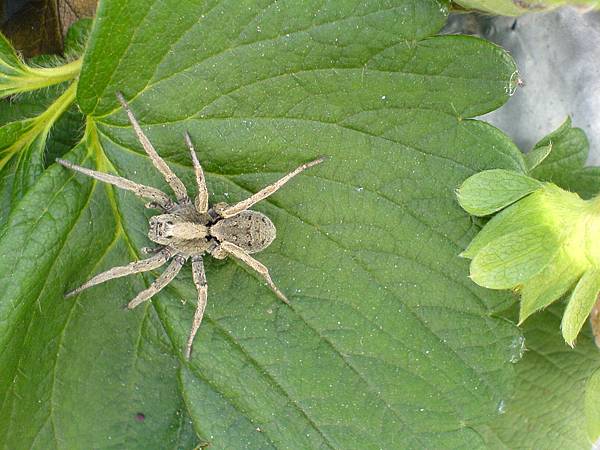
(250, 230)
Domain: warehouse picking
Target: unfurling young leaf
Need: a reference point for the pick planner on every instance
(580, 304)
(540, 244)
(487, 192)
(536, 156)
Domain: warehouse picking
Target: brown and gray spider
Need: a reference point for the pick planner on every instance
(187, 229)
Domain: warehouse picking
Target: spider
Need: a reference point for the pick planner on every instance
(188, 230)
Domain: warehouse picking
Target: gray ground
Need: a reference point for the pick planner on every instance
(558, 55)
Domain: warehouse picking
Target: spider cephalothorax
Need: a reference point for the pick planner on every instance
(188, 230)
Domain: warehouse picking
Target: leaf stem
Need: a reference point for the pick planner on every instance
(28, 78)
(41, 124)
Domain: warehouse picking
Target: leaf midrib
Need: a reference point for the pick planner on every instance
(372, 388)
(227, 177)
(468, 170)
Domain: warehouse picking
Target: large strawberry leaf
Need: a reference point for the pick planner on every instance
(387, 344)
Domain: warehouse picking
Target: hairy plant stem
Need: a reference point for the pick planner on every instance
(28, 78)
(41, 124)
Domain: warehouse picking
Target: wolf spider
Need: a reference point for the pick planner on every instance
(187, 230)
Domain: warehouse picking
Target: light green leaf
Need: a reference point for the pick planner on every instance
(499, 7)
(530, 211)
(386, 344)
(514, 258)
(491, 190)
(538, 154)
(549, 285)
(580, 304)
(17, 77)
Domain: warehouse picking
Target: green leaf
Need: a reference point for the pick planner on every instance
(564, 166)
(549, 285)
(35, 129)
(580, 305)
(491, 190)
(547, 409)
(537, 155)
(592, 406)
(387, 344)
(10, 63)
(529, 211)
(514, 258)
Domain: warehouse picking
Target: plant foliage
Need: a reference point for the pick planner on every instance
(387, 343)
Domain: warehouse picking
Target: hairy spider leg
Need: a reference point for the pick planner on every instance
(147, 192)
(160, 164)
(202, 287)
(232, 210)
(165, 278)
(201, 201)
(117, 272)
(233, 250)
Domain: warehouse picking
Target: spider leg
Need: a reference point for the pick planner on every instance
(202, 287)
(165, 278)
(150, 250)
(232, 210)
(201, 200)
(160, 164)
(117, 272)
(153, 194)
(260, 268)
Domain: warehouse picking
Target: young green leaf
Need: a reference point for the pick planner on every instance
(77, 36)
(564, 166)
(28, 141)
(536, 156)
(551, 378)
(520, 7)
(550, 284)
(580, 305)
(514, 258)
(10, 63)
(18, 77)
(551, 231)
(525, 213)
(499, 7)
(491, 190)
